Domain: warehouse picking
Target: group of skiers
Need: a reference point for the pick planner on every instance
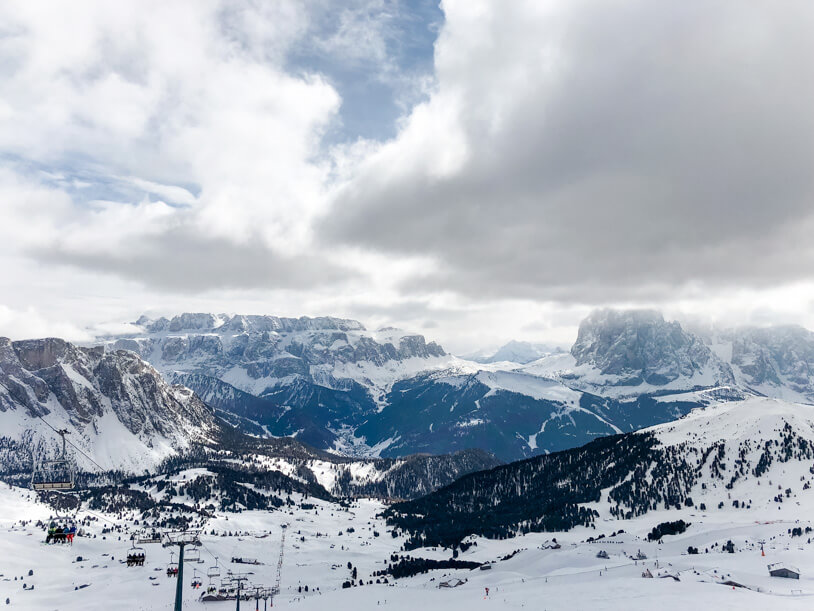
(136, 559)
(60, 533)
(172, 571)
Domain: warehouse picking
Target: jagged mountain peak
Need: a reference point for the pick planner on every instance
(640, 346)
(294, 343)
(300, 376)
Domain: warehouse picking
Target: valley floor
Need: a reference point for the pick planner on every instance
(317, 556)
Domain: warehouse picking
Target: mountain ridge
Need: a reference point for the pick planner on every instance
(333, 384)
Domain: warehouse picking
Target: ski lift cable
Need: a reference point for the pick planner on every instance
(73, 445)
(98, 516)
(208, 551)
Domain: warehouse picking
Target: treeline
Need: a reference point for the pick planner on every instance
(544, 493)
(548, 493)
(407, 566)
(667, 528)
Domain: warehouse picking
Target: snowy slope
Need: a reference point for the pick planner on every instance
(322, 537)
(754, 455)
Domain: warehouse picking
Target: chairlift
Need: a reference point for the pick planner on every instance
(196, 581)
(56, 474)
(193, 554)
(136, 556)
(172, 567)
(227, 587)
(213, 571)
(61, 529)
(144, 537)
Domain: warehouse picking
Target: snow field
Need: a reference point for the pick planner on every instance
(535, 578)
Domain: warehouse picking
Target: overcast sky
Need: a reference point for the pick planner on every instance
(477, 171)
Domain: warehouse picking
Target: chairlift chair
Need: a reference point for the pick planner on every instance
(196, 581)
(145, 537)
(227, 586)
(172, 567)
(52, 475)
(56, 474)
(60, 527)
(136, 556)
(213, 571)
(193, 554)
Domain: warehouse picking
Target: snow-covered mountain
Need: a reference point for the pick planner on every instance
(314, 378)
(772, 361)
(752, 455)
(118, 409)
(259, 353)
(335, 385)
(122, 413)
(699, 505)
(513, 352)
(627, 370)
(635, 352)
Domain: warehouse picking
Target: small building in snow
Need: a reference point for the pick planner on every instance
(780, 569)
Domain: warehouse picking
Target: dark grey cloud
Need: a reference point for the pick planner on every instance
(616, 150)
(184, 261)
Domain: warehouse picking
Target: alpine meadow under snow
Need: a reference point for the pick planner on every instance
(406, 304)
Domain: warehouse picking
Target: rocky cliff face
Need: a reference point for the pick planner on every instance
(254, 353)
(773, 359)
(639, 346)
(314, 378)
(116, 406)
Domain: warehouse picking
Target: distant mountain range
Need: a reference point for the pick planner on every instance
(514, 352)
(122, 415)
(336, 385)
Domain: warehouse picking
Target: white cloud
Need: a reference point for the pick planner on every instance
(164, 156)
(595, 151)
(171, 193)
(30, 323)
(172, 94)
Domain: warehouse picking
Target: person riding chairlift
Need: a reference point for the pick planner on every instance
(52, 528)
